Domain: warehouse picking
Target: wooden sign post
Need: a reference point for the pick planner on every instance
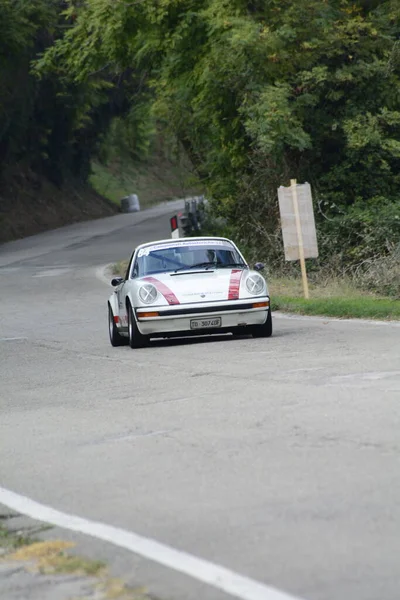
(293, 185)
(298, 225)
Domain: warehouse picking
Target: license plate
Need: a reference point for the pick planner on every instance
(205, 323)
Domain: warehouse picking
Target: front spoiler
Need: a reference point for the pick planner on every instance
(176, 319)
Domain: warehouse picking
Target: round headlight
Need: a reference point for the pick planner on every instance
(148, 293)
(255, 284)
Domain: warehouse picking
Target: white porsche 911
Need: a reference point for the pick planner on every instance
(187, 286)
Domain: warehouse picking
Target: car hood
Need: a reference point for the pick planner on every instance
(199, 286)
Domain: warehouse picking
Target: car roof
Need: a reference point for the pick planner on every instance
(184, 239)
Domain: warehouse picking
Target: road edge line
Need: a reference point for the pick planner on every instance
(202, 570)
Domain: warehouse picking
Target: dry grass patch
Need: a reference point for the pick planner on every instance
(329, 288)
(120, 268)
(53, 558)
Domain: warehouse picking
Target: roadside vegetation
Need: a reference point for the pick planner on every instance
(57, 557)
(157, 179)
(334, 298)
(383, 309)
(236, 98)
(70, 151)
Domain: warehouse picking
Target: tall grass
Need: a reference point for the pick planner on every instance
(334, 297)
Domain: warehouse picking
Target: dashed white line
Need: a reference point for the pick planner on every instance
(219, 577)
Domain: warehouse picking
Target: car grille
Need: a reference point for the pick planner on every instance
(202, 309)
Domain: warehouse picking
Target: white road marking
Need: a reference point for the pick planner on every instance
(365, 379)
(369, 376)
(202, 570)
(52, 272)
(124, 437)
(6, 270)
(12, 339)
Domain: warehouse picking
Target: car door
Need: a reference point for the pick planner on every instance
(122, 292)
(121, 304)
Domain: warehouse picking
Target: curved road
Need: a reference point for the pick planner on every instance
(276, 458)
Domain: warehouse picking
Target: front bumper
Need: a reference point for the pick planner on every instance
(176, 319)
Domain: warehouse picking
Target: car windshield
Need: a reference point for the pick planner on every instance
(186, 256)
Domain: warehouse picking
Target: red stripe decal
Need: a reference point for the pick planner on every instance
(163, 289)
(234, 284)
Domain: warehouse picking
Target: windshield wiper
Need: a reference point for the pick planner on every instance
(197, 266)
(232, 264)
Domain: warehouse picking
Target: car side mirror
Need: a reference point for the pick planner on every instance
(116, 281)
(259, 266)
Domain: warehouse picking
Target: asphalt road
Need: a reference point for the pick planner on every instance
(276, 458)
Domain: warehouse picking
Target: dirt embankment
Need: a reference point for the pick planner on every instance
(30, 204)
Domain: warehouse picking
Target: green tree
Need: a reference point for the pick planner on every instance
(258, 92)
(50, 123)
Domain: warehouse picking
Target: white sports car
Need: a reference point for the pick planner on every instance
(187, 286)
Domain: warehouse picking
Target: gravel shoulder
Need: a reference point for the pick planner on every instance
(37, 565)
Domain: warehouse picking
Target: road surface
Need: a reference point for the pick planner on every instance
(275, 458)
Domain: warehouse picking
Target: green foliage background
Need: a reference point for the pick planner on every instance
(255, 91)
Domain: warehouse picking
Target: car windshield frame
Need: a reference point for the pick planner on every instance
(187, 256)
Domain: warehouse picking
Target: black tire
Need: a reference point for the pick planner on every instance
(264, 330)
(115, 338)
(136, 339)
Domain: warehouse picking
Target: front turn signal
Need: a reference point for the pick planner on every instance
(261, 304)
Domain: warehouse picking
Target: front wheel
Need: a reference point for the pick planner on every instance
(136, 339)
(264, 330)
(115, 338)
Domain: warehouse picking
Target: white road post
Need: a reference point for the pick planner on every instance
(174, 227)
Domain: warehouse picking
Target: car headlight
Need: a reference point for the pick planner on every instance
(148, 293)
(255, 284)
